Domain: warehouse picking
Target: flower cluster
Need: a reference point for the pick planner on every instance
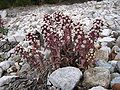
(32, 53)
(68, 42)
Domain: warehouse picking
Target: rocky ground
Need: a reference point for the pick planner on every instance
(16, 74)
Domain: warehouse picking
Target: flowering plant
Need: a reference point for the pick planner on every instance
(68, 42)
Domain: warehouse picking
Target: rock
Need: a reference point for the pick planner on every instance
(116, 86)
(98, 88)
(16, 38)
(106, 39)
(115, 34)
(117, 57)
(118, 66)
(3, 13)
(3, 87)
(103, 55)
(65, 78)
(1, 72)
(7, 79)
(97, 76)
(116, 49)
(24, 84)
(115, 80)
(118, 42)
(111, 44)
(113, 63)
(12, 69)
(6, 64)
(6, 45)
(25, 67)
(103, 63)
(114, 75)
(104, 47)
(1, 35)
(103, 52)
(106, 32)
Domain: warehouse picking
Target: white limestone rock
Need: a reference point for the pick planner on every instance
(7, 79)
(65, 78)
(3, 13)
(106, 39)
(106, 32)
(6, 64)
(98, 88)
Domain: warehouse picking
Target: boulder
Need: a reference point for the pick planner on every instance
(103, 52)
(113, 63)
(106, 32)
(118, 42)
(106, 39)
(6, 80)
(117, 57)
(114, 75)
(98, 88)
(103, 63)
(1, 72)
(6, 64)
(24, 84)
(65, 78)
(3, 13)
(116, 86)
(115, 81)
(118, 66)
(24, 68)
(97, 76)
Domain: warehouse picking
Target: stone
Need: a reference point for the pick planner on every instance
(115, 34)
(113, 63)
(105, 64)
(106, 39)
(114, 75)
(117, 57)
(25, 67)
(116, 86)
(3, 87)
(16, 38)
(118, 66)
(24, 84)
(6, 45)
(1, 72)
(115, 80)
(116, 49)
(98, 88)
(118, 42)
(100, 54)
(106, 32)
(1, 35)
(12, 69)
(111, 44)
(65, 78)
(7, 79)
(103, 52)
(3, 13)
(6, 64)
(24, 70)
(97, 76)
(104, 47)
